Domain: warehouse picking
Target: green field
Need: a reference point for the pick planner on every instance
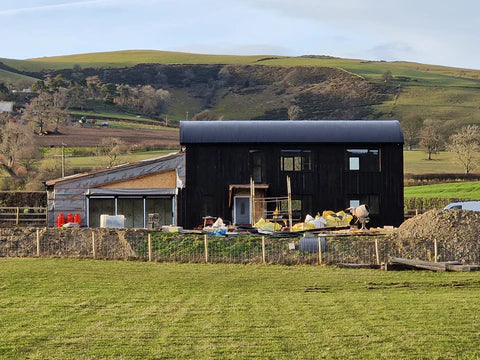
(416, 162)
(459, 190)
(98, 161)
(9, 77)
(87, 309)
(372, 69)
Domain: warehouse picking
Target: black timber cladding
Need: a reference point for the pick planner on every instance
(286, 131)
(218, 154)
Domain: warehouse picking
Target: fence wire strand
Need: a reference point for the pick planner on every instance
(190, 248)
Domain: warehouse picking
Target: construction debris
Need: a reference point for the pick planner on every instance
(393, 263)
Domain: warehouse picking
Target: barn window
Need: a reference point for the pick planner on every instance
(257, 165)
(296, 160)
(365, 160)
(354, 203)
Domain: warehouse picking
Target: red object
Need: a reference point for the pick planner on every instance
(69, 218)
(60, 220)
(77, 219)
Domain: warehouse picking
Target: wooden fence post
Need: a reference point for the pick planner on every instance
(149, 247)
(17, 221)
(38, 243)
(263, 249)
(205, 242)
(94, 252)
(319, 250)
(377, 255)
(435, 249)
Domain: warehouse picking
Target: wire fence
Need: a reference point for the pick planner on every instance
(198, 248)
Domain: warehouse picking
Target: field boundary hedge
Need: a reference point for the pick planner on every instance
(428, 203)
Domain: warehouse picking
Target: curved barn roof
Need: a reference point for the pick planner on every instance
(287, 131)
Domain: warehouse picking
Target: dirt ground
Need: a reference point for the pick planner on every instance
(456, 232)
(443, 225)
(75, 136)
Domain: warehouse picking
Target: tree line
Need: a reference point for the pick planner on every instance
(432, 138)
(47, 107)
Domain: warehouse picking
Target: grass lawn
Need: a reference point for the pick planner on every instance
(87, 309)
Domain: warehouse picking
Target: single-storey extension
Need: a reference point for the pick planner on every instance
(133, 190)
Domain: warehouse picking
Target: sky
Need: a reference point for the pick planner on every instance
(440, 32)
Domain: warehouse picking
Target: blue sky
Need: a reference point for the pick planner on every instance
(433, 32)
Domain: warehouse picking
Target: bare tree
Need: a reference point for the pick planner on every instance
(45, 111)
(207, 115)
(431, 138)
(15, 141)
(113, 149)
(411, 126)
(76, 97)
(144, 99)
(294, 112)
(124, 93)
(466, 145)
(387, 76)
(152, 101)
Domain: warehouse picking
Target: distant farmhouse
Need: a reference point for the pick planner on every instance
(6, 106)
(332, 165)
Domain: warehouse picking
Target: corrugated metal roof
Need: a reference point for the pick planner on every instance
(288, 131)
(116, 169)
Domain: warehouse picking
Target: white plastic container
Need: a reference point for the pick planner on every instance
(112, 221)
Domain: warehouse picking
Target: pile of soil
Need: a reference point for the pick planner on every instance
(75, 242)
(456, 232)
(442, 225)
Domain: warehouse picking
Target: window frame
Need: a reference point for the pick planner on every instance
(361, 160)
(301, 160)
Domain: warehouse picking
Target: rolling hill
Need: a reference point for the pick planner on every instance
(265, 86)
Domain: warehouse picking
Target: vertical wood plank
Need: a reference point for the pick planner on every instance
(149, 247)
(319, 250)
(94, 250)
(38, 242)
(263, 250)
(435, 249)
(289, 203)
(377, 255)
(205, 242)
(252, 202)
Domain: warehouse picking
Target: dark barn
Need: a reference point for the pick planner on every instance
(332, 165)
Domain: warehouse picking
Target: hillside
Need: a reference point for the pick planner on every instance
(265, 86)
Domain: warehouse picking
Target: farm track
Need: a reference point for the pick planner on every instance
(92, 136)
